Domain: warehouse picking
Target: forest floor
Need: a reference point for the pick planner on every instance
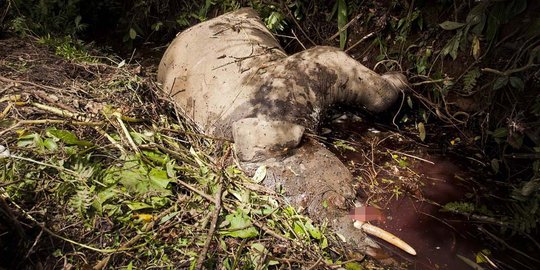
(100, 171)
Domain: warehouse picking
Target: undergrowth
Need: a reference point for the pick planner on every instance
(99, 175)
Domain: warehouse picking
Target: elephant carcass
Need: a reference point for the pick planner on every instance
(232, 78)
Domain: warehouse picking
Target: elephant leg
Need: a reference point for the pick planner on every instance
(259, 139)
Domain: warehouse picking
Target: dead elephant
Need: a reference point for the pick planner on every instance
(232, 78)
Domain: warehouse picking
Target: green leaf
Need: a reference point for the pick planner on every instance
(530, 187)
(494, 21)
(157, 26)
(67, 137)
(132, 33)
(476, 14)
(514, 8)
(500, 133)
(462, 207)
(500, 82)
(258, 247)
(158, 202)
(168, 217)
(240, 226)
(477, 18)
(136, 177)
(450, 25)
(30, 140)
(325, 204)
(517, 83)
(258, 255)
(353, 266)
(159, 178)
(324, 243)
(479, 27)
(298, 229)
(155, 156)
(451, 48)
(421, 131)
(275, 21)
(133, 177)
(343, 145)
(134, 206)
(50, 144)
(169, 167)
(242, 195)
(313, 231)
(102, 197)
(342, 21)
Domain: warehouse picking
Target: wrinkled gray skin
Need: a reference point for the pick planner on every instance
(232, 78)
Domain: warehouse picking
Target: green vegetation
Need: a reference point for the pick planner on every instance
(139, 185)
(140, 182)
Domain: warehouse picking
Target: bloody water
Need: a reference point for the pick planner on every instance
(438, 237)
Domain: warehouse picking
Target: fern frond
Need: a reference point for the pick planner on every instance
(82, 200)
(470, 80)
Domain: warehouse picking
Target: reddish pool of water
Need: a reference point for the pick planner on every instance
(439, 238)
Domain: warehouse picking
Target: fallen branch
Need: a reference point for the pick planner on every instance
(131, 143)
(299, 27)
(510, 71)
(360, 41)
(431, 81)
(345, 27)
(61, 112)
(4, 153)
(4, 79)
(111, 139)
(412, 156)
(213, 225)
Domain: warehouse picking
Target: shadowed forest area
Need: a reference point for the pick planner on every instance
(99, 169)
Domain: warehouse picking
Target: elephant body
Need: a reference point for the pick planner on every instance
(232, 78)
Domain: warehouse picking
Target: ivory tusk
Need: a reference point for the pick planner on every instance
(384, 235)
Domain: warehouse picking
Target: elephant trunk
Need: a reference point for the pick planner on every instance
(338, 78)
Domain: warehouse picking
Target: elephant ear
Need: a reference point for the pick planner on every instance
(259, 139)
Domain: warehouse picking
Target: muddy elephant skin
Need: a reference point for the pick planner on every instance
(232, 78)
